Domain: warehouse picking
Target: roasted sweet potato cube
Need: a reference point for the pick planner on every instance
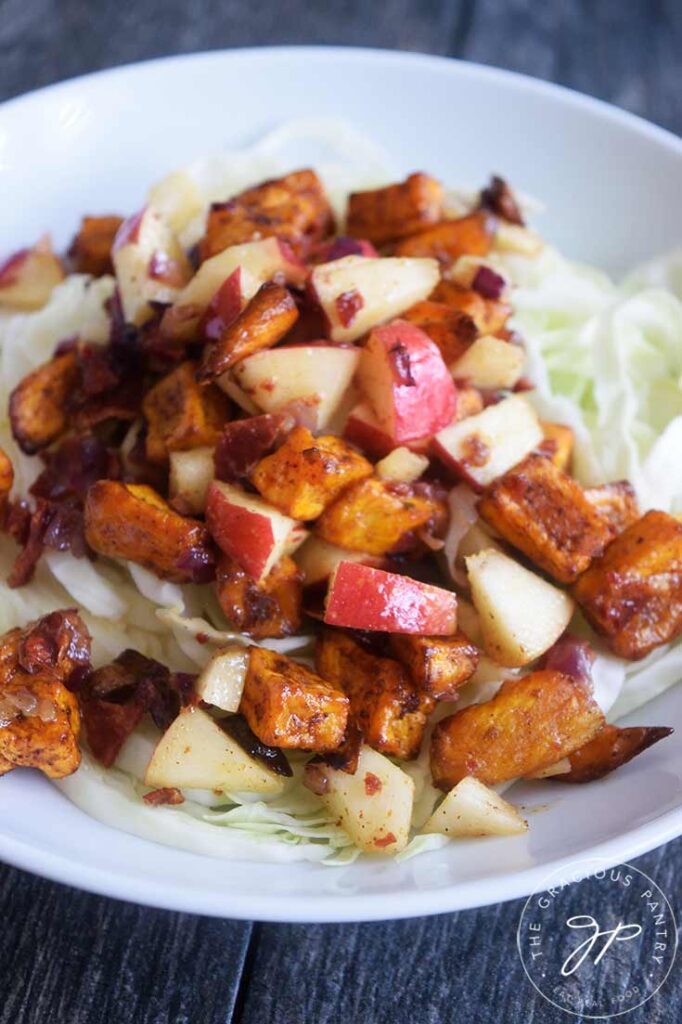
(385, 704)
(378, 517)
(383, 214)
(438, 665)
(530, 723)
(268, 609)
(263, 322)
(467, 236)
(307, 473)
(632, 595)
(131, 521)
(489, 315)
(287, 705)
(294, 209)
(610, 748)
(39, 716)
(181, 414)
(557, 444)
(6, 477)
(38, 410)
(90, 250)
(616, 503)
(545, 514)
(451, 329)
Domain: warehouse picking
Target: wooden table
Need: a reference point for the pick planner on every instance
(70, 958)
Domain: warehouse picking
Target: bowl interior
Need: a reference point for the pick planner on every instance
(611, 186)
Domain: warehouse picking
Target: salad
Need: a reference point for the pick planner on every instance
(328, 512)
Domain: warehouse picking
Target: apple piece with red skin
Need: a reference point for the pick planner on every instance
(250, 530)
(28, 276)
(480, 448)
(361, 597)
(356, 292)
(363, 429)
(316, 376)
(247, 266)
(317, 559)
(408, 385)
(149, 263)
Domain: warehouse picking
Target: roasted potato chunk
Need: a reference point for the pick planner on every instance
(264, 321)
(307, 473)
(288, 706)
(38, 410)
(294, 209)
(182, 415)
(529, 724)
(489, 315)
(438, 665)
(545, 514)
(557, 444)
(268, 609)
(472, 235)
(384, 702)
(39, 716)
(610, 748)
(131, 521)
(377, 517)
(452, 330)
(384, 214)
(90, 250)
(632, 595)
(616, 503)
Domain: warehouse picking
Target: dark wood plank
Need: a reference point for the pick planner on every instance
(70, 958)
(454, 968)
(628, 53)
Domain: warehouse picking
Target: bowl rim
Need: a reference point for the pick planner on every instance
(31, 856)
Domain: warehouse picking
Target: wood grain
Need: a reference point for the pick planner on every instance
(70, 958)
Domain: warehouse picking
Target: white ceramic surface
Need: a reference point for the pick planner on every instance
(611, 184)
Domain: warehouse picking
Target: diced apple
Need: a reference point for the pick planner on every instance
(317, 374)
(221, 680)
(28, 277)
(149, 263)
(517, 239)
(318, 559)
(229, 385)
(472, 809)
(483, 447)
(521, 615)
(408, 385)
(490, 363)
(178, 199)
(356, 293)
(191, 473)
(402, 465)
(361, 597)
(476, 539)
(374, 805)
(250, 530)
(196, 753)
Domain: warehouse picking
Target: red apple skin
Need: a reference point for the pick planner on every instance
(244, 535)
(361, 597)
(295, 271)
(10, 270)
(129, 231)
(421, 393)
(364, 431)
(224, 307)
(458, 468)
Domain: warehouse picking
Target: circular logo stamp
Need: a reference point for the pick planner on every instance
(597, 941)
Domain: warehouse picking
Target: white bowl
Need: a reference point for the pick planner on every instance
(611, 184)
